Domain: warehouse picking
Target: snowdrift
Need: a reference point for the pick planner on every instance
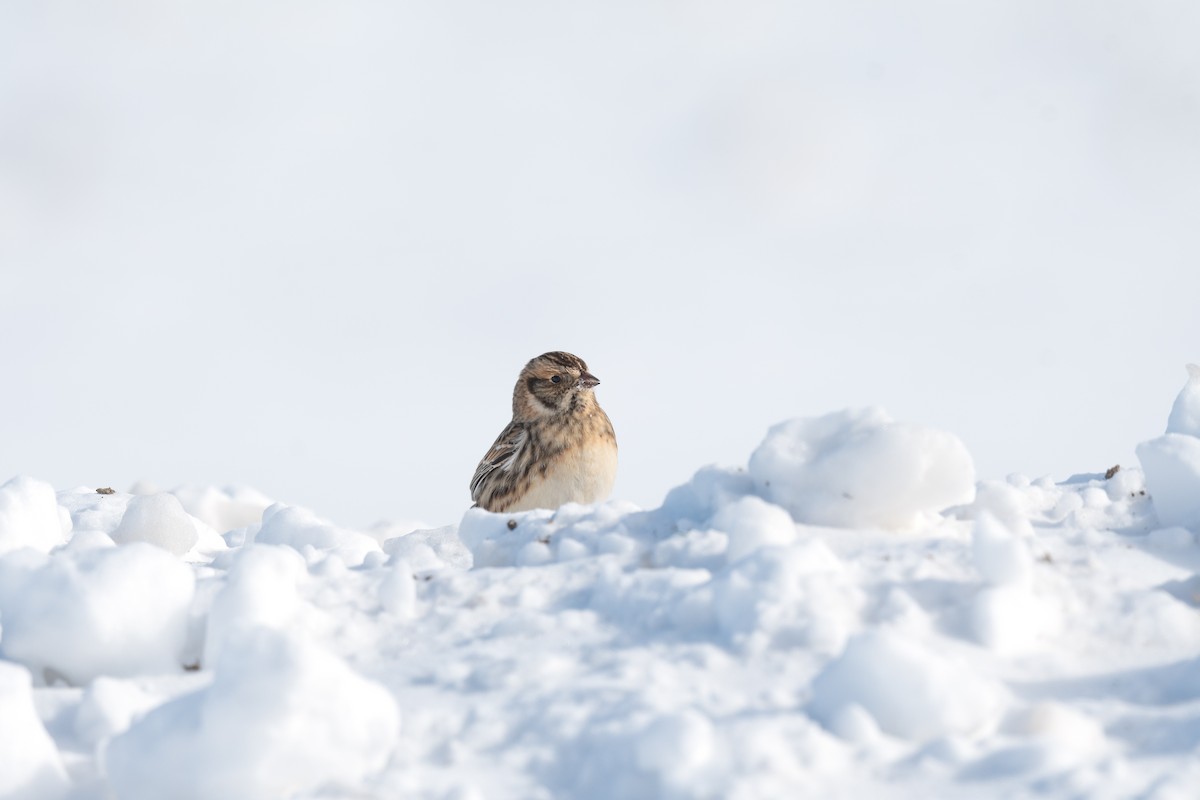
(850, 614)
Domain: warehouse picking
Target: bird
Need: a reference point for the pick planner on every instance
(560, 446)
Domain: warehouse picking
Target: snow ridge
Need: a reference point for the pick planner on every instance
(852, 614)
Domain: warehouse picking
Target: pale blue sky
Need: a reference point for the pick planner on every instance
(307, 247)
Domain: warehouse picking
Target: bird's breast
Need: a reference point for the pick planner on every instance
(583, 473)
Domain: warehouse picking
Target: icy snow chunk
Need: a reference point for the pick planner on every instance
(31, 517)
(30, 768)
(1172, 467)
(912, 692)
(157, 519)
(282, 716)
(1185, 413)
(751, 523)
(858, 468)
(261, 590)
(299, 529)
(98, 611)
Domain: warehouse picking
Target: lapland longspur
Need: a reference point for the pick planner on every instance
(560, 446)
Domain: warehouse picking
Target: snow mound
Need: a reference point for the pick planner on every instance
(1185, 413)
(261, 590)
(431, 549)
(859, 468)
(675, 747)
(30, 516)
(223, 509)
(157, 519)
(92, 611)
(304, 531)
(1171, 462)
(1061, 736)
(109, 706)
(1172, 466)
(30, 768)
(751, 523)
(574, 531)
(711, 488)
(282, 716)
(799, 596)
(910, 691)
(92, 511)
(712, 647)
(1000, 556)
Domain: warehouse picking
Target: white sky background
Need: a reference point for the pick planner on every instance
(308, 246)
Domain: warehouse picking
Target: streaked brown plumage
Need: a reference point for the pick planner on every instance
(560, 446)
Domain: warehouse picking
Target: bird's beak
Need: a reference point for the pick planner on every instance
(587, 380)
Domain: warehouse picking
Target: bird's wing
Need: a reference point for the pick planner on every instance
(501, 457)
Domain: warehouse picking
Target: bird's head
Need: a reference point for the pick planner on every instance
(552, 383)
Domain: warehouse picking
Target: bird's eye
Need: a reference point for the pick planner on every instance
(556, 379)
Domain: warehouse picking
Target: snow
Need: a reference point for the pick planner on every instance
(97, 610)
(1000, 556)
(1172, 465)
(757, 635)
(158, 519)
(223, 509)
(30, 768)
(109, 706)
(1172, 461)
(281, 716)
(859, 468)
(1185, 413)
(261, 589)
(30, 517)
(750, 523)
(909, 691)
(304, 531)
